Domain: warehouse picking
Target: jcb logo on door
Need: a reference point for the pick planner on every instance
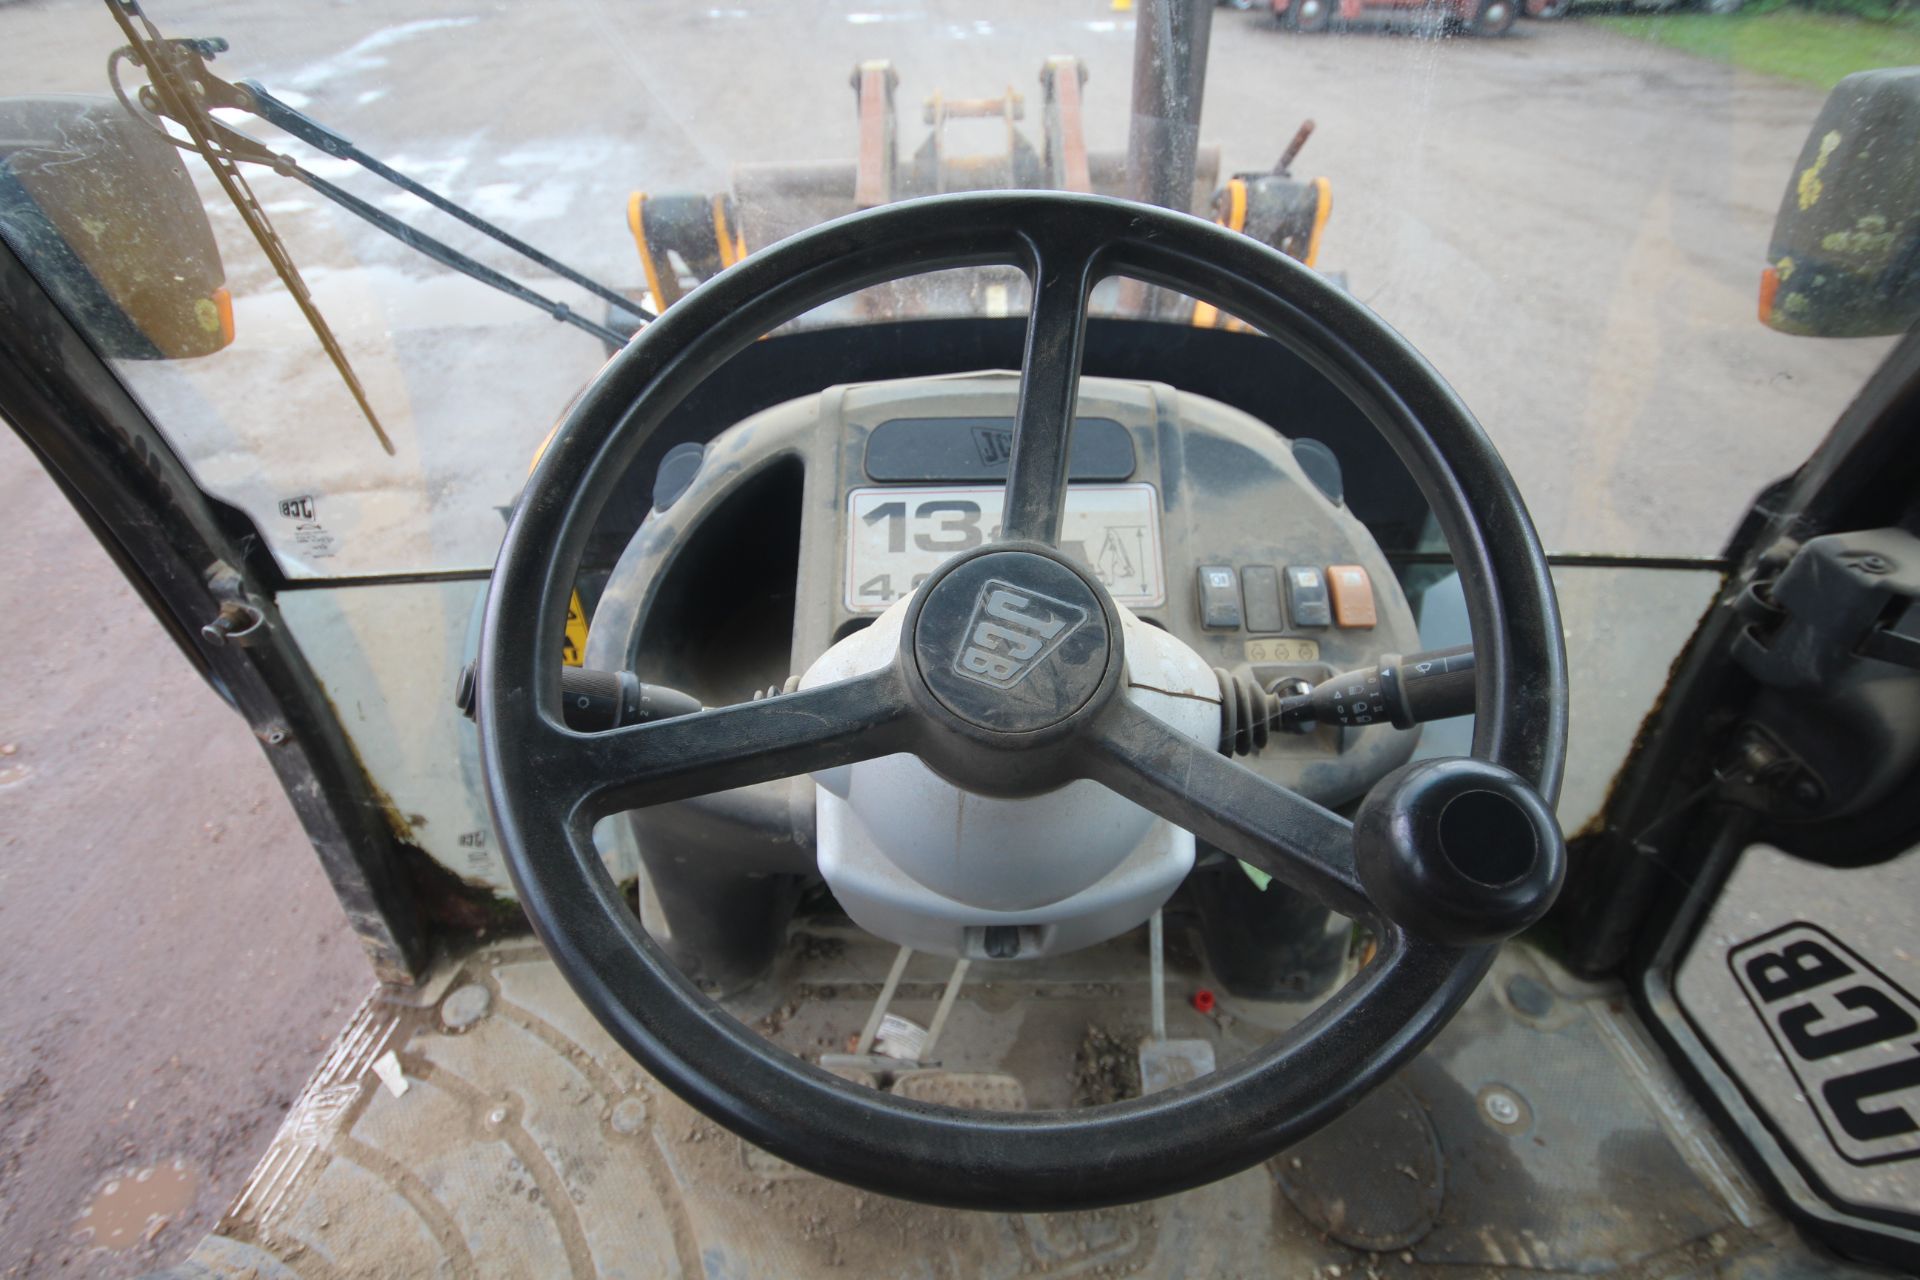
(1011, 631)
(1849, 1034)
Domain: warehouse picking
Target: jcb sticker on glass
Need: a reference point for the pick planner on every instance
(1849, 1034)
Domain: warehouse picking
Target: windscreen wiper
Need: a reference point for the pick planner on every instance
(1396, 690)
(182, 89)
(171, 67)
(252, 97)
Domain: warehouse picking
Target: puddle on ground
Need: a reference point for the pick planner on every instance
(134, 1207)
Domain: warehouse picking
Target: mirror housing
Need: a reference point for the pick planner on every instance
(100, 207)
(1845, 257)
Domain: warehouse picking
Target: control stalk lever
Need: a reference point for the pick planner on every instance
(593, 701)
(1401, 691)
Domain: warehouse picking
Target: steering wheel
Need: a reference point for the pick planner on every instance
(1443, 859)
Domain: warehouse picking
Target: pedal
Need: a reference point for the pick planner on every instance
(1167, 1063)
(968, 1090)
(861, 1068)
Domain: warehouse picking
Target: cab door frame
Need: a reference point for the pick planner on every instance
(193, 560)
(1680, 813)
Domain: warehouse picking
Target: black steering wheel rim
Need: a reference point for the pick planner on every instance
(1125, 1151)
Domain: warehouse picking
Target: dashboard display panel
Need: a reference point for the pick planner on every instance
(898, 535)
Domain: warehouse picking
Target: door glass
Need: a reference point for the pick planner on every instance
(1804, 981)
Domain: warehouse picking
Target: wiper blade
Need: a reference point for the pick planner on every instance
(171, 68)
(185, 91)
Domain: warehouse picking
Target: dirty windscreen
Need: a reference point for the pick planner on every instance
(1569, 215)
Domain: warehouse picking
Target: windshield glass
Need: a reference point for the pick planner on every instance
(1568, 217)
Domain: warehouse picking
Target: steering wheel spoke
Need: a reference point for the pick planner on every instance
(727, 747)
(1228, 805)
(1049, 385)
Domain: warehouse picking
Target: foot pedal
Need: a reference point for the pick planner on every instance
(1166, 1063)
(968, 1090)
(860, 1068)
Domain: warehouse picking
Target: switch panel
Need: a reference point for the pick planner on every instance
(1219, 597)
(1307, 597)
(1352, 596)
(1260, 589)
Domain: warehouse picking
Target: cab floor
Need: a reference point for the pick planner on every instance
(1538, 1136)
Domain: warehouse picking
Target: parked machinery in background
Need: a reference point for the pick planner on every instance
(685, 239)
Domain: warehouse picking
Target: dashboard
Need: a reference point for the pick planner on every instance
(800, 524)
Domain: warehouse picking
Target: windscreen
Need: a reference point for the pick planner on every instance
(1568, 210)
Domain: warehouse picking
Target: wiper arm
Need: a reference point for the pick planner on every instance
(251, 96)
(249, 150)
(448, 256)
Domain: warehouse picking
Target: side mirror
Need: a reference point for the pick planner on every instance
(100, 206)
(1845, 256)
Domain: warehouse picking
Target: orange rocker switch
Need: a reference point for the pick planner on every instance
(1352, 593)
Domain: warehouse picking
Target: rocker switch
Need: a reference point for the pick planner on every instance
(1219, 597)
(1352, 595)
(1307, 596)
(1260, 588)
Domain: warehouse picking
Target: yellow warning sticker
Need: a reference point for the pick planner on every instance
(573, 651)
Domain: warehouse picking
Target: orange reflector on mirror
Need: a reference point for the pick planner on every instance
(223, 307)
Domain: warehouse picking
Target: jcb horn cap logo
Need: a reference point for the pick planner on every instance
(1011, 632)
